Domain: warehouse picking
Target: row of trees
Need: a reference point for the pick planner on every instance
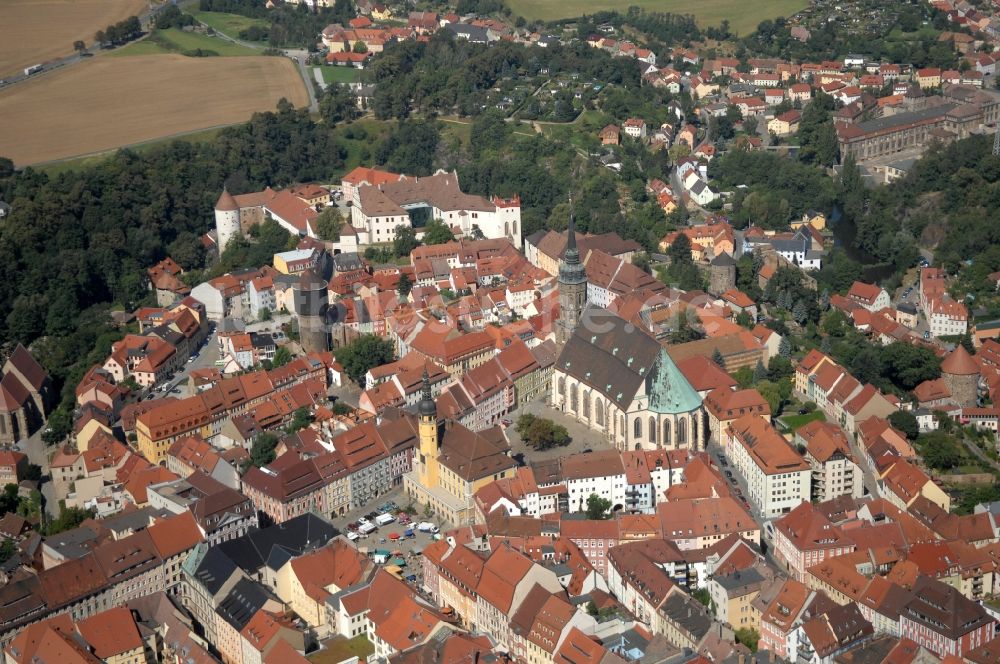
(120, 33)
(290, 25)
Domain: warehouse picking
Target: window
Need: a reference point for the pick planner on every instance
(666, 432)
(652, 430)
(682, 430)
(637, 428)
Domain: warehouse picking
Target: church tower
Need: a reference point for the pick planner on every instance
(572, 287)
(428, 433)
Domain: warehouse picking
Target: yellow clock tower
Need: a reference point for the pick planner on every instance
(429, 441)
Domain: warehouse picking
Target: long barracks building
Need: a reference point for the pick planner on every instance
(960, 112)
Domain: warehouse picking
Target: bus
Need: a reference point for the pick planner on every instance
(33, 69)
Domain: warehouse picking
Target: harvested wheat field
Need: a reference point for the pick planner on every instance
(35, 31)
(113, 102)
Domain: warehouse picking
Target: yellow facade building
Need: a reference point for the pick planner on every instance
(453, 463)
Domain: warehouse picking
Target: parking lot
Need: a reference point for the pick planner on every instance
(403, 548)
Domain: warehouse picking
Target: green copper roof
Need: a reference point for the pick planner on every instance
(668, 389)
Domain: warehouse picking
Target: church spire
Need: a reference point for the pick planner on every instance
(571, 271)
(572, 284)
(427, 406)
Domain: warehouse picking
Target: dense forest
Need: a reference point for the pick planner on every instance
(949, 201)
(80, 241)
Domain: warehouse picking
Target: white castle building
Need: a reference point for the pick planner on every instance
(236, 214)
(413, 201)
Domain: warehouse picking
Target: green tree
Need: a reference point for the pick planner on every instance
(718, 359)
(405, 241)
(68, 519)
(282, 356)
(437, 232)
(685, 331)
(906, 422)
(328, 224)
(908, 365)
(749, 637)
(524, 423)
(940, 450)
(743, 377)
(598, 508)
(360, 47)
(7, 550)
(79, 46)
(8, 499)
(364, 353)
(679, 251)
(301, 418)
(772, 394)
(703, 596)
(759, 372)
(58, 426)
(265, 314)
(262, 450)
(785, 348)
(543, 434)
(404, 286)
(337, 104)
(491, 131)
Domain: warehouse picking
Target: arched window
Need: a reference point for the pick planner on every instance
(637, 428)
(572, 398)
(562, 386)
(652, 430)
(666, 433)
(506, 228)
(682, 430)
(586, 404)
(599, 408)
(621, 424)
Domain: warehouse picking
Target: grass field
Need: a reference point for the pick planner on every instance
(339, 74)
(743, 15)
(229, 24)
(35, 31)
(338, 649)
(176, 41)
(795, 422)
(124, 101)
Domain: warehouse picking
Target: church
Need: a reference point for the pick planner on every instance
(615, 378)
(454, 462)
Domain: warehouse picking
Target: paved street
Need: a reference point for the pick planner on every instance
(207, 356)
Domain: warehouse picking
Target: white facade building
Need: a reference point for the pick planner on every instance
(413, 201)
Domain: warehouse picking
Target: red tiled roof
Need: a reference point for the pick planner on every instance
(111, 633)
